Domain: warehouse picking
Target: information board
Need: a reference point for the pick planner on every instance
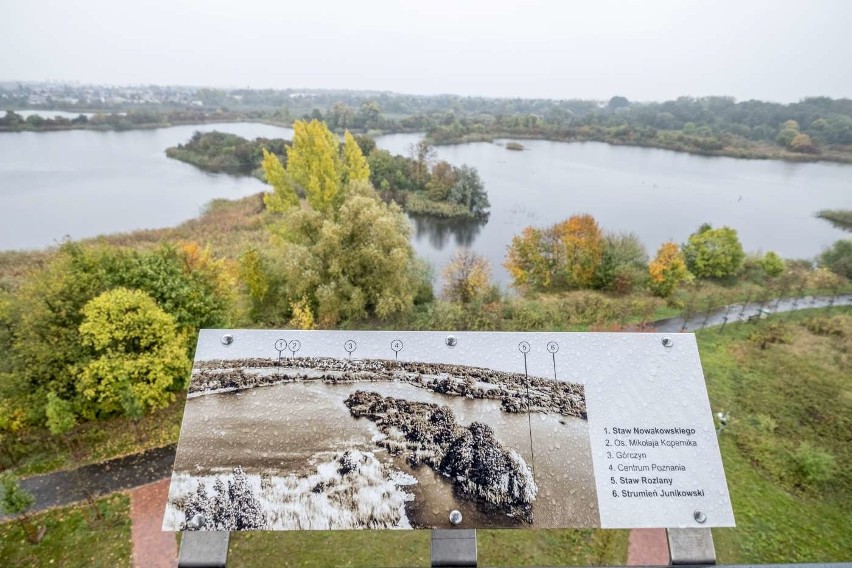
(324, 430)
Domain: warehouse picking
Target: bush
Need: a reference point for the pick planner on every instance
(838, 258)
(772, 264)
(815, 466)
(771, 333)
(46, 312)
(713, 253)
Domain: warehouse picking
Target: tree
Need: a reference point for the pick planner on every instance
(838, 258)
(135, 348)
(60, 415)
(466, 277)
(366, 143)
(667, 270)
(313, 169)
(568, 254)
(355, 167)
(713, 253)
(616, 103)
(16, 502)
(581, 251)
(772, 264)
(802, 143)
(469, 191)
(345, 257)
(441, 181)
(422, 155)
(528, 261)
(316, 169)
(624, 263)
(355, 264)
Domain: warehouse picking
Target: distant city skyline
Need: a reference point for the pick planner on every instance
(656, 50)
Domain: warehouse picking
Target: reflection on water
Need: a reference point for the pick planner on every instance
(439, 231)
(278, 429)
(657, 194)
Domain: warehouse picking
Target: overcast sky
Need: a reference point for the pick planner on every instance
(780, 50)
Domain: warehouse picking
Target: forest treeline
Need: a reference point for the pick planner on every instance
(419, 183)
(12, 121)
(815, 128)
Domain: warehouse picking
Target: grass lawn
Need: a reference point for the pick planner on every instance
(70, 539)
(788, 448)
(411, 548)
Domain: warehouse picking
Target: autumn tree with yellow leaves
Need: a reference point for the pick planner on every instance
(565, 255)
(467, 276)
(343, 252)
(667, 270)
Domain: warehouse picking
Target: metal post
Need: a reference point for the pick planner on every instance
(204, 549)
(691, 546)
(453, 547)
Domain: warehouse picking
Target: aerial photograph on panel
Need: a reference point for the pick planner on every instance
(326, 443)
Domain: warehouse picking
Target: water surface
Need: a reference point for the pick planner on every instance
(657, 194)
(85, 183)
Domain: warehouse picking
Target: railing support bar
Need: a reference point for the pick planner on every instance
(453, 547)
(691, 546)
(204, 549)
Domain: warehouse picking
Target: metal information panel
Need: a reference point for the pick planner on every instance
(325, 430)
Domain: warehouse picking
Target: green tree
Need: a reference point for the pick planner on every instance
(134, 346)
(441, 181)
(713, 253)
(838, 258)
(16, 502)
(786, 136)
(624, 263)
(772, 264)
(468, 190)
(47, 350)
(60, 415)
(422, 156)
(356, 263)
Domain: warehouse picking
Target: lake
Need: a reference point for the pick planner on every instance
(83, 183)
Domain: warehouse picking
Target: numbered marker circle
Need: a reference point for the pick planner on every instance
(294, 345)
(281, 345)
(349, 346)
(396, 345)
(524, 347)
(552, 347)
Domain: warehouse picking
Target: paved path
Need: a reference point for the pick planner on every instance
(65, 487)
(742, 312)
(152, 547)
(648, 547)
